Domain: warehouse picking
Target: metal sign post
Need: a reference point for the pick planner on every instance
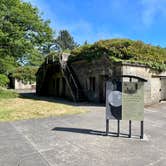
(129, 128)
(107, 126)
(142, 130)
(130, 120)
(118, 132)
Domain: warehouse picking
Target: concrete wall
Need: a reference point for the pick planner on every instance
(99, 69)
(102, 69)
(61, 90)
(152, 88)
(18, 84)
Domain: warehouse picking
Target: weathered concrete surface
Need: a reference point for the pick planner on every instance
(78, 140)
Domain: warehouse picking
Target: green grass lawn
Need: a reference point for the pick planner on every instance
(26, 108)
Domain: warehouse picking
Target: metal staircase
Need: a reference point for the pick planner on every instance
(71, 79)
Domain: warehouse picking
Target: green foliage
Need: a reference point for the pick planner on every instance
(35, 59)
(25, 74)
(86, 42)
(5, 93)
(52, 57)
(7, 64)
(3, 80)
(22, 32)
(66, 41)
(123, 50)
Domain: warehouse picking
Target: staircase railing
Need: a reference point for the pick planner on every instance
(69, 78)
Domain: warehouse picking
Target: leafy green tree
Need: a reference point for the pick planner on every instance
(7, 64)
(22, 32)
(66, 41)
(26, 73)
(3, 80)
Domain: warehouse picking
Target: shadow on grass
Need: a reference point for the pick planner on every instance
(33, 96)
(89, 132)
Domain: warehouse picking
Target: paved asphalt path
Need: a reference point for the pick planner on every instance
(77, 140)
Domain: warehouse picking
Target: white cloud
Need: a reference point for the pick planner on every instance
(152, 8)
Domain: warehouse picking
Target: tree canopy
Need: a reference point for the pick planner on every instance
(26, 74)
(66, 41)
(22, 34)
(123, 50)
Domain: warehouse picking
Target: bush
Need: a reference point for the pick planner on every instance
(5, 93)
(3, 80)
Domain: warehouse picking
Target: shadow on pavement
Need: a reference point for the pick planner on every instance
(88, 131)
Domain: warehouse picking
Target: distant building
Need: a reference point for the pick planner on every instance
(20, 85)
(85, 80)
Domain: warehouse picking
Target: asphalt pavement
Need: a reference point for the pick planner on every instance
(79, 140)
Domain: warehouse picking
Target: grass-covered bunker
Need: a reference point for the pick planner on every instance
(81, 75)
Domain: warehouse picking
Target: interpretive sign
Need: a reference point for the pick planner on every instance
(125, 100)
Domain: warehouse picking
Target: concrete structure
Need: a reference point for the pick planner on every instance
(20, 85)
(155, 87)
(85, 80)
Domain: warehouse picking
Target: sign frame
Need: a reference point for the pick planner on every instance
(132, 92)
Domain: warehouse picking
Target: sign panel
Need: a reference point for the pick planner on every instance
(114, 99)
(133, 101)
(124, 100)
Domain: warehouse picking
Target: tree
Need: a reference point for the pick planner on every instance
(86, 42)
(22, 32)
(26, 74)
(3, 80)
(66, 41)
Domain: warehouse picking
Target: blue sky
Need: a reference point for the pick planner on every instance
(93, 20)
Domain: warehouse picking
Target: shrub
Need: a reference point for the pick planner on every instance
(5, 93)
(3, 80)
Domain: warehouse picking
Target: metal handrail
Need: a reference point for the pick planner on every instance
(72, 76)
(62, 68)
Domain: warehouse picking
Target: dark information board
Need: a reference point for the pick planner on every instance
(114, 100)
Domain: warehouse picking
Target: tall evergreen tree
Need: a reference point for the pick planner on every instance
(86, 42)
(66, 41)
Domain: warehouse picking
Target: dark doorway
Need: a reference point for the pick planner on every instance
(58, 87)
(92, 83)
(102, 88)
(63, 87)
